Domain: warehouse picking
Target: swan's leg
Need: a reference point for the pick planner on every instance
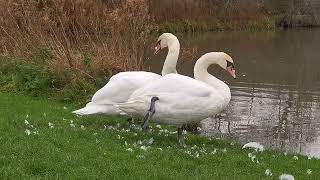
(150, 113)
(130, 121)
(181, 136)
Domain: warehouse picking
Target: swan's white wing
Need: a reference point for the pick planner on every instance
(121, 86)
(175, 83)
(117, 90)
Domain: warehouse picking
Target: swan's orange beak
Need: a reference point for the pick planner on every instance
(232, 71)
(157, 48)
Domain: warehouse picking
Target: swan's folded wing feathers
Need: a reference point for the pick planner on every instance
(200, 93)
(175, 83)
(133, 73)
(121, 86)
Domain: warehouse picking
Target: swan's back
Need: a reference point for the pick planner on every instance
(121, 86)
(117, 90)
(175, 83)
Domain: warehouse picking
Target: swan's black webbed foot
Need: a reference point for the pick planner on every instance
(150, 113)
(181, 137)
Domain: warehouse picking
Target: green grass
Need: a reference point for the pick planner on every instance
(66, 152)
(33, 77)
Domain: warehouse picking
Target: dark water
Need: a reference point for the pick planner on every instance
(276, 98)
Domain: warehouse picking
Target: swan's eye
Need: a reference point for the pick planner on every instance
(159, 43)
(157, 48)
(230, 64)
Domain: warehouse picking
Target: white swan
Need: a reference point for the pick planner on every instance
(178, 100)
(122, 85)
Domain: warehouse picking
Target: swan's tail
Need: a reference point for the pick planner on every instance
(97, 109)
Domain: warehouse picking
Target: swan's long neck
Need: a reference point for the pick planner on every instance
(201, 73)
(170, 63)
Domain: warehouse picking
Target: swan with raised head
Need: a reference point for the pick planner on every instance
(122, 85)
(178, 100)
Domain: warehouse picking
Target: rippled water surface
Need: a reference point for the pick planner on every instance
(275, 100)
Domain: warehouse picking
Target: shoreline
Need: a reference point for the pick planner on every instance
(268, 23)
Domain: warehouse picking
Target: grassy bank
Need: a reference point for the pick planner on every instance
(63, 146)
(37, 79)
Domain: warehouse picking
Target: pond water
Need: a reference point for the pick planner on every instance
(275, 99)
